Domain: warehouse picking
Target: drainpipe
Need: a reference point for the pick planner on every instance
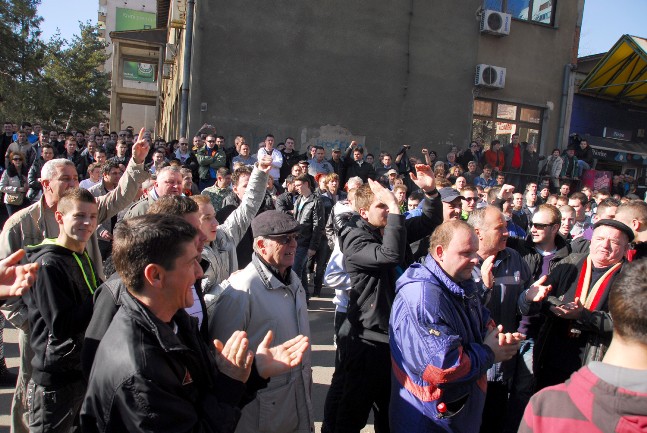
(186, 74)
(566, 84)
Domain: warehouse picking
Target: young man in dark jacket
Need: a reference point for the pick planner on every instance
(375, 253)
(60, 308)
(309, 213)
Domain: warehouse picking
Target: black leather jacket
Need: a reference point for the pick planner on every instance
(146, 377)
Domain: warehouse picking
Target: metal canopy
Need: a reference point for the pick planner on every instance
(622, 73)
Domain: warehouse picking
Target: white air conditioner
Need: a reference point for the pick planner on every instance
(490, 76)
(495, 22)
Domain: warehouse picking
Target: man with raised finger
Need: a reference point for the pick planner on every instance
(33, 224)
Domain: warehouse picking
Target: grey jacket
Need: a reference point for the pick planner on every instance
(32, 225)
(221, 255)
(255, 301)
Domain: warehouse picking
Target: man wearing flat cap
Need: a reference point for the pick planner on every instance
(267, 295)
(578, 326)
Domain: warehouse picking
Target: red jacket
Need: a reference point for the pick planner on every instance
(490, 157)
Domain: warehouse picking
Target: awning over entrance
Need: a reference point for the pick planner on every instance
(622, 73)
(617, 150)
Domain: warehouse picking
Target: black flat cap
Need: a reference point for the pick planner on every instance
(273, 223)
(624, 228)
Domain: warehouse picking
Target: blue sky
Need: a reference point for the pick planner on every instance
(604, 20)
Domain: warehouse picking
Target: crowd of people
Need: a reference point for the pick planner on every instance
(170, 283)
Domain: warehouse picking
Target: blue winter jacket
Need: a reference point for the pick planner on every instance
(437, 328)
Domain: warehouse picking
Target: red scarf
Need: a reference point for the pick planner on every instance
(590, 296)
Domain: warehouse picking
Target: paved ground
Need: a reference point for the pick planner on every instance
(321, 320)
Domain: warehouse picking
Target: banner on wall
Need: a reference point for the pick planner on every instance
(130, 19)
(597, 179)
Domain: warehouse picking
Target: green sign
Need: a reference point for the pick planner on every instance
(129, 19)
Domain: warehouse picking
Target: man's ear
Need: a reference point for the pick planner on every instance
(363, 213)
(478, 233)
(439, 252)
(154, 275)
(260, 243)
(58, 217)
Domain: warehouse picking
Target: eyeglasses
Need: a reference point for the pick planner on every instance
(540, 226)
(211, 141)
(285, 239)
(470, 198)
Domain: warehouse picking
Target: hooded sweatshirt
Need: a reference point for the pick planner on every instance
(60, 308)
(590, 402)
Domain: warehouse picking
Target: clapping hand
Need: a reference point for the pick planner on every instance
(233, 359)
(486, 272)
(504, 345)
(16, 279)
(424, 177)
(538, 292)
(279, 359)
(384, 195)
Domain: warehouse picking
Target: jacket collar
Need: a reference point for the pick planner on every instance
(463, 289)
(162, 332)
(269, 278)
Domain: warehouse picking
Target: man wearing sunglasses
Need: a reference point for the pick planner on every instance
(469, 201)
(542, 251)
(267, 295)
(211, 158)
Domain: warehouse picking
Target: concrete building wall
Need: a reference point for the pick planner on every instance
(384, 72)
(368, 67)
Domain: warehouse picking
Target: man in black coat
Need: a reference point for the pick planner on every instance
(355, 164)
(153, 371)
(578, 326)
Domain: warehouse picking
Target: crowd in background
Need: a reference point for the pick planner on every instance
(464, 282)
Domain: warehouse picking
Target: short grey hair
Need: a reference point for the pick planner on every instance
(169, 168)
(51, 167)
(354, 182)
(477, 218)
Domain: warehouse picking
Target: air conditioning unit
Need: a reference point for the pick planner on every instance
(495, 22)
(490, 76)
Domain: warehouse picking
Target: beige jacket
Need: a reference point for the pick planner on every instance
(30, 226)
(255, 301)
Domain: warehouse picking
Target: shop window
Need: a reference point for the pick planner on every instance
(538, 11)
(499, 120)
(483, 108)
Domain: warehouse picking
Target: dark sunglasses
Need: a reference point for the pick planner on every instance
(285, 239)
(540, 226)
